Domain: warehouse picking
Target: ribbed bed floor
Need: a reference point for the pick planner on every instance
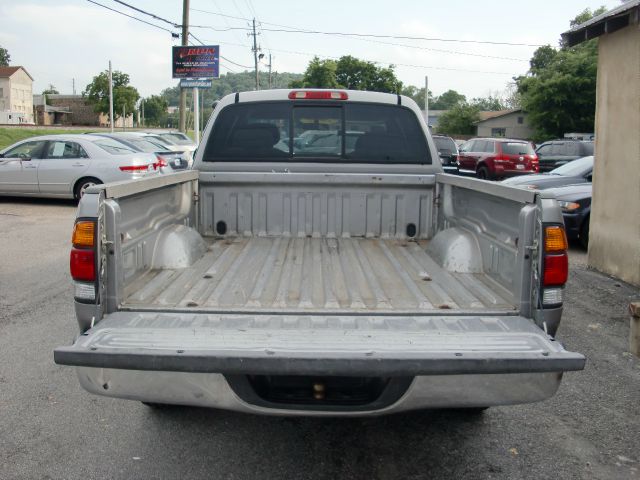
(278, 274)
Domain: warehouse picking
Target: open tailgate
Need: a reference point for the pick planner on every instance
(318, 345)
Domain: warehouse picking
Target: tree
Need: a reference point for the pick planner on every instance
(459, 120)
(155, 110)
(5, 58)
(319, 74)
(490, 103)
(350, 73)
(417, 94)
(559, 91)
(51, 90)
(124, 95)
(447, 100)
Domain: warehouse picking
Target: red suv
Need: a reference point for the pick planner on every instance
(492, 158)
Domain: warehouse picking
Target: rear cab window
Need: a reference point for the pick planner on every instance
(113, 147)
(317, 132)
(517, 148)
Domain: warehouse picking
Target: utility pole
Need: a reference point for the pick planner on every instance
(255, 52)
(269, 69)
(110, 97)
(196, 115)
(426, 100)
(73, 83)
(123, 117)
(142, 107)
(185, 42)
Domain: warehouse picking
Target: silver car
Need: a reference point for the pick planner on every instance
(66, 165)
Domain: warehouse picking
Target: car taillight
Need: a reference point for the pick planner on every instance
(318, 95)
(82, 261)
(135, 168)
(555, 265)
(161, 163)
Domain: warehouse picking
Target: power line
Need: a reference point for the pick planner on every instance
(131, 16)
(148, 13)
(290, 29)
(224, 58)
(215, 3)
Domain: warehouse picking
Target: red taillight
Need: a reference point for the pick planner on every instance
(556, 270)
(135, 168)
(83, 265)
(161, 163)
(318, 95)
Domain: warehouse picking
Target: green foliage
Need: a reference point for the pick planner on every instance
(319, 74)
(124, 95)
(50, 90)
(350, 73)
(447, 100)
(229, 83)
(459, 120)
(155, 110)
(586, 15)
(489, 104)
(559, 91)
(11, 135)
(5, 58)
(417, 94)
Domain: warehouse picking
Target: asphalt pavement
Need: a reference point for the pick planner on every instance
(51, 429)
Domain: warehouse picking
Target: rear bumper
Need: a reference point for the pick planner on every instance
(213, 391)
(448, 361)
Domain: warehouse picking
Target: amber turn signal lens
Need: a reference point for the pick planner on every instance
(555, 239)
(83, 234)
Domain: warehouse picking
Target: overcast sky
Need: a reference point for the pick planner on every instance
(60, 40)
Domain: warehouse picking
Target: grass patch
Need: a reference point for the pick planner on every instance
(9, 136)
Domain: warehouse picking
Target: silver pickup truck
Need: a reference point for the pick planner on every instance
(318, 262)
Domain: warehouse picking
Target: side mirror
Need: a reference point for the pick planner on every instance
(1, 155)
(25, 159)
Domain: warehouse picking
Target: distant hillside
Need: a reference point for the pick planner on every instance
(233, 82)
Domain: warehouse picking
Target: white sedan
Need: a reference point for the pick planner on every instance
(66, 165)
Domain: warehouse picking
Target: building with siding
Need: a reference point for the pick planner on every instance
(16, 95)
(504, 123)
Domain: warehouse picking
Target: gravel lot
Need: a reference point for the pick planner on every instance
(50, 428)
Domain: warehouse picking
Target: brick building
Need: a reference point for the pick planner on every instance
(72, 110)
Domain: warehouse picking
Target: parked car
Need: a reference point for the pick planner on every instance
(495, 158)
(66, 165)
(575, 202)
(178, 138)
(555, 153)
(576, 171)
(177, 160)
(448, 153)
(169, 144)
(319, 284)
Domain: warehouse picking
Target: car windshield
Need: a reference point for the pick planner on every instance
(576, 168)
(178, 138)
(113, 147)
(445, 143)
(319, 132)
(517, 148)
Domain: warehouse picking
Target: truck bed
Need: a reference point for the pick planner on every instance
(315, 274)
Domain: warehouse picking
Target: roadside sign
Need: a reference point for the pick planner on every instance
(190, 83)
(196, 61)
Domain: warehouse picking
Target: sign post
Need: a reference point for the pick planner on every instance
(194, 65)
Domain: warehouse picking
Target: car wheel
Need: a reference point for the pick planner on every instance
(83, 184)
(483, 173)
(583, 237)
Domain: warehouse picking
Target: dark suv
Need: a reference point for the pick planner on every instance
(555, 153)
(492, 158)
(448, 153)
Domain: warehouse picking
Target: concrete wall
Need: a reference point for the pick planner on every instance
(614, 238)
(510, 123)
